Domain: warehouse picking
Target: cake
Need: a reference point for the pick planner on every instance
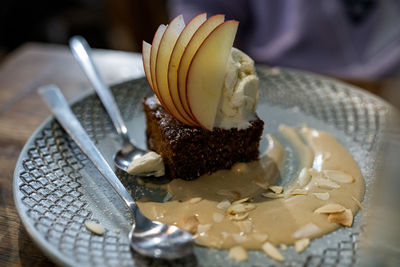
(202, 116)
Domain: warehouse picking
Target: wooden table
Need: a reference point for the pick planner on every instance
(22, 111)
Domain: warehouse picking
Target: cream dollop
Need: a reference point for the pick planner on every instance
(240, 93)
(147, 163)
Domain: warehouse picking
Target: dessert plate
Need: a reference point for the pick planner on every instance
(56, 189)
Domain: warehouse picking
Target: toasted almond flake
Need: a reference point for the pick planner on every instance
(240, 168)
(240, 208)
(239, 238)
(326, 184)
(299, 191)
(261, 183)
(218, 217)
(245, 226)
(272, 251)
(95, 228)
(304, 177)
(241, 200)
(307, 230)
(283, 247)
(330, 208)
(357, 202)
(231, 194)
(322, 196)
(202, 228)
(276, 189)
(301, 244)
(189, 223)
(195, 200)
(239, 217)
(344, 218)
(272, 195)
(223, 204)
(238, 253)
(117, 231)
(338, 176)
(260, 237)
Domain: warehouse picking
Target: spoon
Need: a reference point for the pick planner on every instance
(150, 238)
(128, 152)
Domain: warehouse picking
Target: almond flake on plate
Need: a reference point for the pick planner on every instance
(330, 208)
(239, 217)
(272, 251)
(338, 176)
(240, 208)
(344, 218)
(326, 184)
(304, 177)
(301, 244)
(238, 253)
(195, 200)
(223, 204)
(241, 200)
(276, 189)
(95, 228)
(307, 230)
(299, 191)
(322, 196)
(260, 237)
(272, 195)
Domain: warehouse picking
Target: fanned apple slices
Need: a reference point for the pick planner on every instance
(185, 66)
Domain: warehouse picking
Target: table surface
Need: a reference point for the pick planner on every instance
(22, 111)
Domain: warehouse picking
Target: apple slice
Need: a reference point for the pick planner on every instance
(176, 56)
(206, 73)
(165, 48)
(198, 37)
(153, 57)
(146, 48)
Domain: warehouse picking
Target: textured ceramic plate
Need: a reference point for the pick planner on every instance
(57, 189)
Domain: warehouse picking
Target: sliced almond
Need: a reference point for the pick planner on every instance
(339, 176)
(195, 200)
(307, 230)
(260, 237)
(239, 217)
(239, 238)
(95, 228)
(218, 217)
(301, 244)
(276, 189)
(283, 247)
(272, 251)
(322, 196)
(231, 194)
(189, 223)
(272, 195)
(357, 202)
(326, 184)
(241, 200)
(240, 208)
(304, 177)
(330, 208)
(238, 253)
(299, 191)
(224, 204)
(344, 218)
(245, 226)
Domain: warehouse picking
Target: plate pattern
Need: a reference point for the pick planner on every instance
(48, 180)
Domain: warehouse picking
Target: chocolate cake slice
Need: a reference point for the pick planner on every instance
(189, 152)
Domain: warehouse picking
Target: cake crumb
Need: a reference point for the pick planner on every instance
(272, 252)
(95, 228)
(238, 253)
(301, 244)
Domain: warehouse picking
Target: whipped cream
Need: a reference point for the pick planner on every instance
(240, 93)
(147, 163)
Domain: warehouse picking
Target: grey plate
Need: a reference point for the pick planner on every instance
(56, 189)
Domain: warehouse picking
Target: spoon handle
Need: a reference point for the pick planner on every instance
(61, 110)
(82, 53)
